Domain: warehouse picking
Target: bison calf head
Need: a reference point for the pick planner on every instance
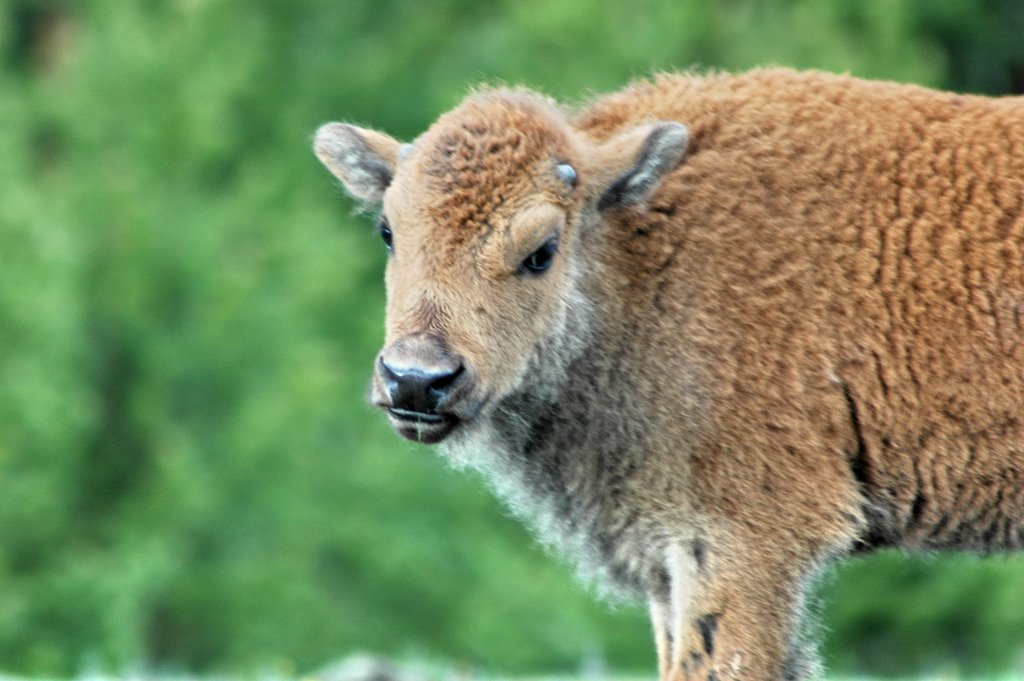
(489, 219)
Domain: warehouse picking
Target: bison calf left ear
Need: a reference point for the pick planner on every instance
(364, 160)
(660, 151)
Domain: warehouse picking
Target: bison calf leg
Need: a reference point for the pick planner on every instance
(729, 619)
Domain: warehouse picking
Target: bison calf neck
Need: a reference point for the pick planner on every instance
(710, 333)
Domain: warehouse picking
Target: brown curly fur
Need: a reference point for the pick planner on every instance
(474, 158)
(807, 341)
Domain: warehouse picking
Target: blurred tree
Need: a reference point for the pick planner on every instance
(981, 42)
(189, 477)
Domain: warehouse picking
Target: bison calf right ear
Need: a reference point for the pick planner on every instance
(650, 158)
(364, 160)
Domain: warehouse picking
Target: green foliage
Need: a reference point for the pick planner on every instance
(189, 476)
(959, 614)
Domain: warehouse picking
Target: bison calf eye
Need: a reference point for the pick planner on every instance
(540, 260)
(385, 232)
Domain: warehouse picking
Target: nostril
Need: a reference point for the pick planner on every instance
(419, 388)
(442, 383)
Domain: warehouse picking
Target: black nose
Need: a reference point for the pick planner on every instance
(419, 373)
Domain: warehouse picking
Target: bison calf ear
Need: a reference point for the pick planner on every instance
(364, 160)
(647, 158)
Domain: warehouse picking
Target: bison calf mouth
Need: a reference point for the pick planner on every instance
(426, 427)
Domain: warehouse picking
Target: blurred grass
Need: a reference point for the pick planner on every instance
(445, 675)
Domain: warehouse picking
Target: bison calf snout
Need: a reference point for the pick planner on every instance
(419, 374)
(425, 387)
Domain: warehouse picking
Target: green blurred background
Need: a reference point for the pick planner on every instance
(190, 478)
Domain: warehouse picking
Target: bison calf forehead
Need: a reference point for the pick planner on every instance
(496, 149)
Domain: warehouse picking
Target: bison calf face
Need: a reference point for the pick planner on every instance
(486, 219)
(468, 314)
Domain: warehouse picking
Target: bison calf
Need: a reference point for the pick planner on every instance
(709, 334)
